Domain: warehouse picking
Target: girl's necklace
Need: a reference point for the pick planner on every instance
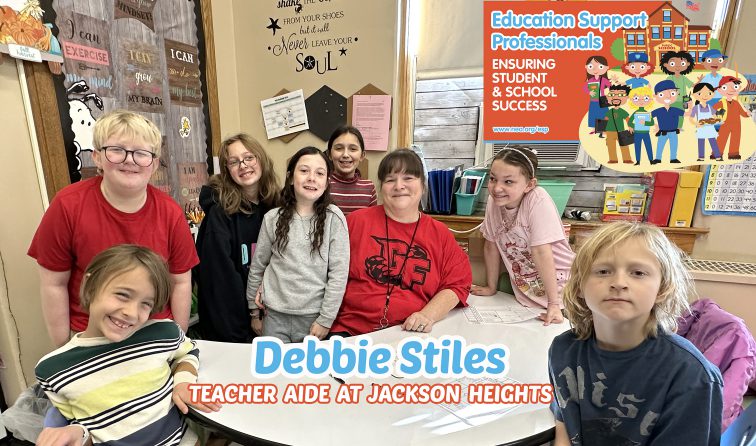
(509, 221)
(306, 229)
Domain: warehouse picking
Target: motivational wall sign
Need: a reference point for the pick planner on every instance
(311, 34)
(183, 73)
(140, 10)
(143, 79)
(86, 48)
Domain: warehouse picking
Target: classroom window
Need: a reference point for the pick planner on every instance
(678, 32)
(693, 54)
(702, 39)
(631, 39)
(667, 15)
(693, 40)
(667, 32)
(641, 39)
(654, 32)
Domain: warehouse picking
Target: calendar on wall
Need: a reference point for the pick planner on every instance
(730, 189)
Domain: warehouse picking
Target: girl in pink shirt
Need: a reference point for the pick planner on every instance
(523, 228)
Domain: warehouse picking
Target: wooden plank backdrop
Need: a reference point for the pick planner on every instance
(174, 20)
(446, 125)
(446, 120)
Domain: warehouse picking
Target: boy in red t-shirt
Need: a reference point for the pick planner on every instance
(116, 207)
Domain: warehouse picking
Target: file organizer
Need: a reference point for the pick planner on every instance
(466, 201)
(685, 199)
(665, 184)
(441, 183)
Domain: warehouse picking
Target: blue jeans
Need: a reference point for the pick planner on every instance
(671, 136)
(595, 112)
(714, 147)
(642, 138)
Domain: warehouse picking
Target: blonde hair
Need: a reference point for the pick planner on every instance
(641, 91)
(121, 259)
(230, 194)
(674, 291)
(130, 125)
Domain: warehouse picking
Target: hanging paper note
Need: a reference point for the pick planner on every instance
(284, 114)
(372, 114)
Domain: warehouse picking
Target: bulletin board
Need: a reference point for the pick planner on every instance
(330, 50)
(730, 189)
(147, 56)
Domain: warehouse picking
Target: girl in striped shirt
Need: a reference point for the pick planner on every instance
(349, 191)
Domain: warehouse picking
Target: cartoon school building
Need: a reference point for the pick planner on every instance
(667, 30)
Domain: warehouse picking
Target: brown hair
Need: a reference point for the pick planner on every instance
(289, 203)
(230, 195)
(674, 291)
(519, 156)
(401, 161)
(121, 259)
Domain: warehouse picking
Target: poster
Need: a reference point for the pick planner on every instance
(284, 114)
(86, 46)
(192, 176)
(183, 73)
(143, 78)
(577, 72)
(22, 23)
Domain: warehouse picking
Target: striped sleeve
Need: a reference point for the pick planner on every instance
(350, 197)
(121, 391)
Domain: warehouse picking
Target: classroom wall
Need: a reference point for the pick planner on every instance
(23, 339)
(225, 56)
(373, 60)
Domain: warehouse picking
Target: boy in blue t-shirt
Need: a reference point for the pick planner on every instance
(621, 375)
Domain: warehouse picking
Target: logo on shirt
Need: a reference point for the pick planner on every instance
(398, 263)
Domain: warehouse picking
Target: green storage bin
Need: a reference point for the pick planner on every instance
(466, 202)
(559, 191)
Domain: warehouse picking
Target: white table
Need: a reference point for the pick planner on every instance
(388, 424)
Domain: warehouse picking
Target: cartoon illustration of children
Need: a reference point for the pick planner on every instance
(642, 100)
(667, 118)
(677, 64)
(702, 116)
(616, 118)
(713, 61)
(729, 88)
(596, 81)
(637, 67)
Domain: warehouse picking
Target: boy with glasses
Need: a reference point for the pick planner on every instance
(118, 206)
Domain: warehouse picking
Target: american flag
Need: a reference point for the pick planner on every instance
(693, 6)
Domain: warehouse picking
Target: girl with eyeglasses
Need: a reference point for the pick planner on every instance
(234, 201)
(116, 207)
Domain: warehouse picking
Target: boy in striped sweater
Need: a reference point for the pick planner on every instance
(349, 191)
(122, 380)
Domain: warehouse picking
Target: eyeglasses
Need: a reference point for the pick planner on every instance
(118, 155)
(616, 95)
(249, 161)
